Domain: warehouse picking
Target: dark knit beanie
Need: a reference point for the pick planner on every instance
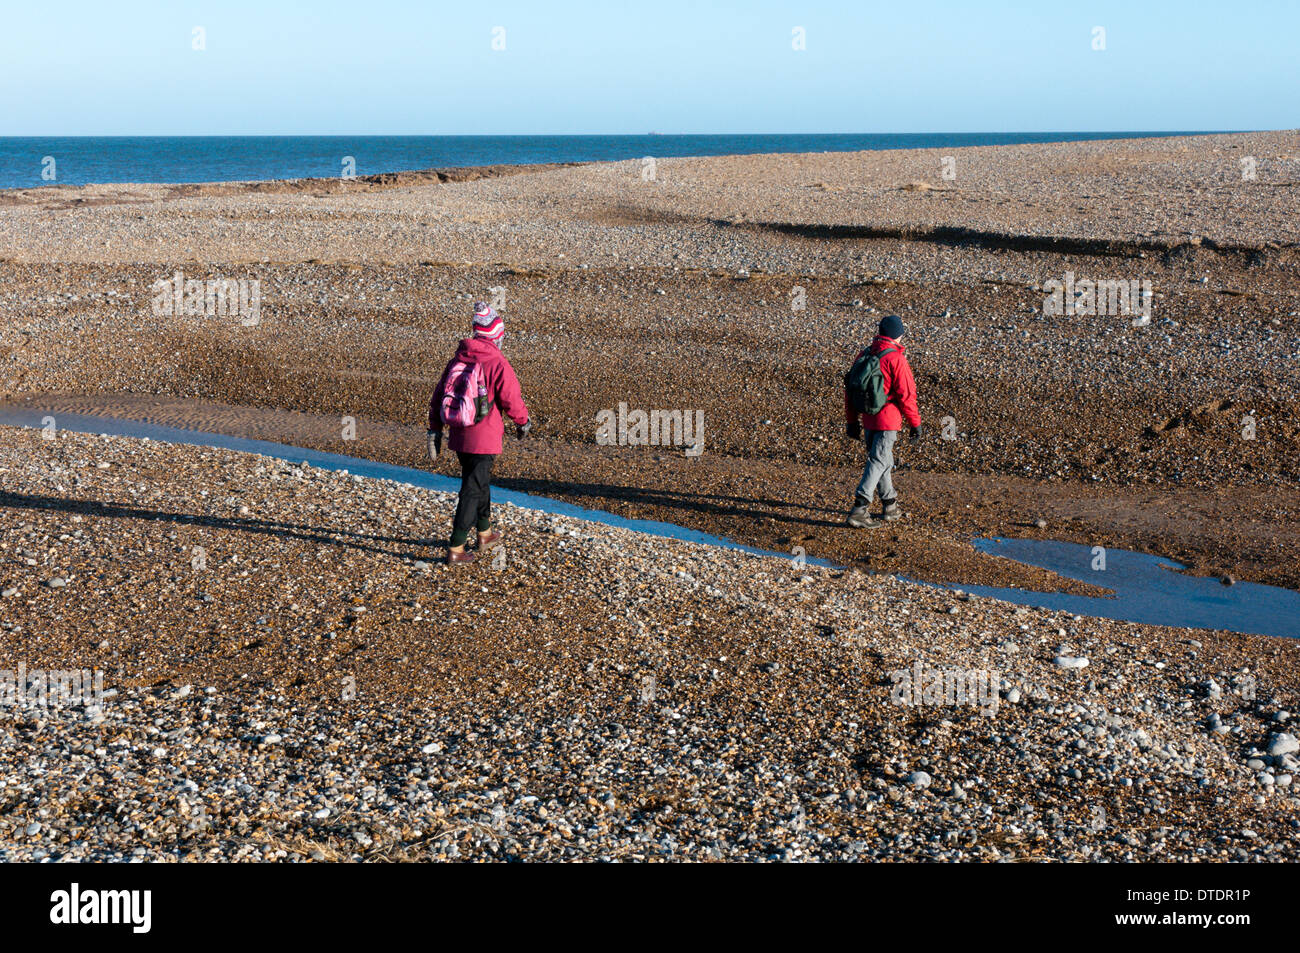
(891, 326)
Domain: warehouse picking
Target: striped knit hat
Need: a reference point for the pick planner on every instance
(488, 324)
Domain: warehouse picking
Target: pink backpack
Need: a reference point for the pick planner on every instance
(464, 397)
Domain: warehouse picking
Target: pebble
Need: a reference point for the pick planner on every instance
(1071, 661)
(1281, 743)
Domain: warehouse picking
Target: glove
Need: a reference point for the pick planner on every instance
(853, 430)
(523, 431)
(916, 434)
(435, 444)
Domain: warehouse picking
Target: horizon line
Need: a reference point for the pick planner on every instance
(594, 135)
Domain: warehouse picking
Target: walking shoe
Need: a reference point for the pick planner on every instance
(461, 556)
(860, 518)
(490, 538)
(891, 510)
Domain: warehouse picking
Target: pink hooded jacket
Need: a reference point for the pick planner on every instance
(502, 385)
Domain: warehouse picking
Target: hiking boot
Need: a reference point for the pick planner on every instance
(891, 510)
(460, 556)
(490, 538)
(860, 517)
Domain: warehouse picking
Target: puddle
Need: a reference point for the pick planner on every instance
(91, 424)
(1148, 589)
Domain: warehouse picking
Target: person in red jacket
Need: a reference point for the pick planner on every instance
(882, 428)
(477, 445)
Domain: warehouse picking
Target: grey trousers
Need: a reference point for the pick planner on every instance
(880, 463)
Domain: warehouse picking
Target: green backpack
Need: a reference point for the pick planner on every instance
(865, 383)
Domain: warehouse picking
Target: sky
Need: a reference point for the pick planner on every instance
(89, 67)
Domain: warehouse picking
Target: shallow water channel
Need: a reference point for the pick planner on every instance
(1147, 589)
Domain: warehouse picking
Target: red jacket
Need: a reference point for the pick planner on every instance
(899, 385)
(502, 385)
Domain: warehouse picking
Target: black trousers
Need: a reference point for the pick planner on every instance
(474, 508)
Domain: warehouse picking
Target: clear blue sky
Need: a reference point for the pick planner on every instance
(124, 67)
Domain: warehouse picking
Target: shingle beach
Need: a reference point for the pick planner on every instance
(290, 672)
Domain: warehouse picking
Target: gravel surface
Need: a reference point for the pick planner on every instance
(1119, 436)
(321, 688)
(1166, 191)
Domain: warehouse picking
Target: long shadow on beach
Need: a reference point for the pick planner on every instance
(311, 534)
(714, 504)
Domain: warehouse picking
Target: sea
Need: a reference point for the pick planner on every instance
(30, 162)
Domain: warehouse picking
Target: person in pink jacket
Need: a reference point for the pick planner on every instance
(882, 428)
(478, 359)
